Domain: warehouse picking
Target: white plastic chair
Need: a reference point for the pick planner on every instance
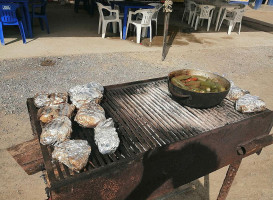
(158, 7)
(215, 14)
(146, 21)
(121, 15)
(190, 7)
(116, 7)
(233, 17)
(104, 20)
(203, 12)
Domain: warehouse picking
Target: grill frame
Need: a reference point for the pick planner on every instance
(113, 174)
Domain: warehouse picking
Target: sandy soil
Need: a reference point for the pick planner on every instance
(246, 59)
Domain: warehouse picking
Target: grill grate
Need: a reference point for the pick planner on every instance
(145, 117)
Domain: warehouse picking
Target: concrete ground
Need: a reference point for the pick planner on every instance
(81, 55)
(264, 13)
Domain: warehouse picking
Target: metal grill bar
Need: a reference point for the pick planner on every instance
(154, 113)
(180, 113)
(126, 139)
(174, 115)
(132, 133)
(134, 121)
(142, 118)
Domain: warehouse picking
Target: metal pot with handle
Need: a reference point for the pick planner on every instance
(196, 99)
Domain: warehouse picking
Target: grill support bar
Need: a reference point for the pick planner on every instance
(248, 148)
(231, 173)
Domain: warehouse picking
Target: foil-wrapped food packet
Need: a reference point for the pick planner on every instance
(106, 137)
(73, 153)
(89, 115)
(48, 113)
(249, 104)
(45, 99)
(82, 94)
(41, 99)
(56, 131)
(235, 92)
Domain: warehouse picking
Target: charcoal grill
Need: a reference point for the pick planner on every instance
(163, 145)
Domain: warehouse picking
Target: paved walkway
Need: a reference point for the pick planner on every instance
(77, 34)
(263, 15)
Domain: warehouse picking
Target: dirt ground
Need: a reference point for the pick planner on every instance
(246, 59)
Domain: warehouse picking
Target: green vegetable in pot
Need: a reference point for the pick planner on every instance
(197, 83)
(200, 78)
(183, 77)
(178, 83)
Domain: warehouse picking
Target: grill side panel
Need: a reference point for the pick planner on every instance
(159, 171)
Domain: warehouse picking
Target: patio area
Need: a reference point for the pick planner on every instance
(76, 33)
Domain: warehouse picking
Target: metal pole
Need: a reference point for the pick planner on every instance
(167, 9)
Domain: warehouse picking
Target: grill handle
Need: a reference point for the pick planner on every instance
(182, 96)
(255, 145)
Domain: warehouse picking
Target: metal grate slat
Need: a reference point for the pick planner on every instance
(148, 105)
(149, 131)
(125, 136)
(144, 117)
(132, 134)
(133, 121)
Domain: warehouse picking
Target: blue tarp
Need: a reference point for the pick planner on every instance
(241, 2)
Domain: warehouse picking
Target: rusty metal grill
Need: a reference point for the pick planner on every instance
(146, 117)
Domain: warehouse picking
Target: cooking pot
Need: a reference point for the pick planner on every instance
(196, 99)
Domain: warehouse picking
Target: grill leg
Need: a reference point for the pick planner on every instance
(231, 173)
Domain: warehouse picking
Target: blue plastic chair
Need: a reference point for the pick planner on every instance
(41, 15)
(8, 17)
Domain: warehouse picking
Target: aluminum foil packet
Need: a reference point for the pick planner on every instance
(82, 94)
(73, 153)
(56, 131)
(48, 113)
(45, 99)
(249, 104)
(89, 115)
(106, 137)
(235, 92)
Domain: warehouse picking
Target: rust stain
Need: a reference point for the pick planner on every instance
(109, 190)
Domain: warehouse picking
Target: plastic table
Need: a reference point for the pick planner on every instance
(126, 5)
(28, 28)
